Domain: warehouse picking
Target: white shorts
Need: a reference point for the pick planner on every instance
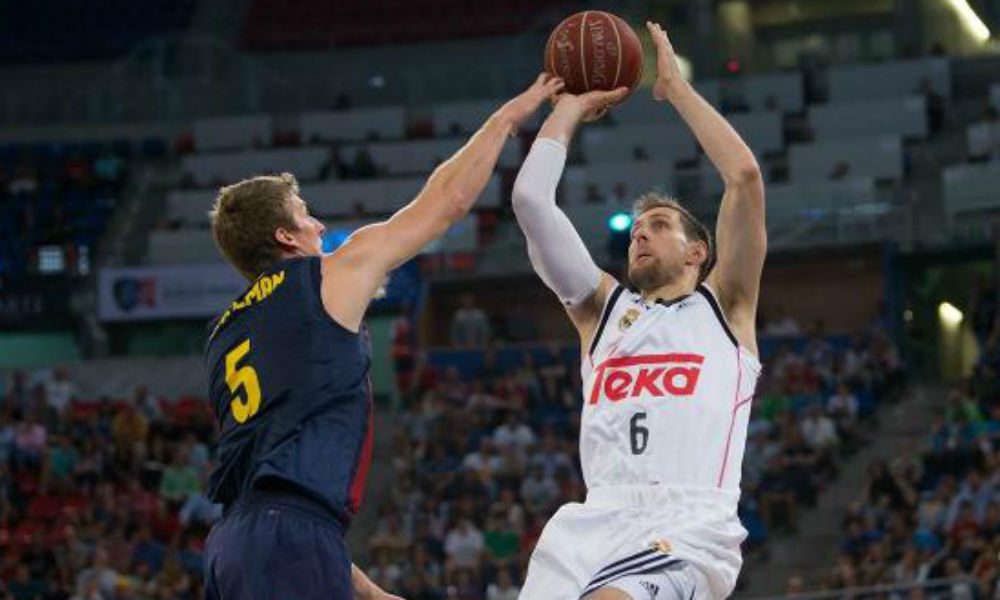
(678, 582)
(627, 530)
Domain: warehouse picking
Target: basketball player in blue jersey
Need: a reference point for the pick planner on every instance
(288, 371)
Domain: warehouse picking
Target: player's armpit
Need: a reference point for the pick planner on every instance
(586, 315)
(741, 241)
(354, 273)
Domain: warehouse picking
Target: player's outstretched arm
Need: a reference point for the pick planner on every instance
(365, 588)
(556, 251)
(354, 272)
(741, 237)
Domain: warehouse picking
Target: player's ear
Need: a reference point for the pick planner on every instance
(284, 237)
(697, 252)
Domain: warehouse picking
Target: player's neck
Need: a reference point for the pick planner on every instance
(669, 291)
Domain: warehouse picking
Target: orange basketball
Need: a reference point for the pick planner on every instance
(594, 50)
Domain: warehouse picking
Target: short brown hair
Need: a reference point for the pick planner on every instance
(693, 228)
(245, 217)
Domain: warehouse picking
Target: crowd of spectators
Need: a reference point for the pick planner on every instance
(101, 499)
(934, 514)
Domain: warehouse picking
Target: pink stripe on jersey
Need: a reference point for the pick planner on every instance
(732, 422)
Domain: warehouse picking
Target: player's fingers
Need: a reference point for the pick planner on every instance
(554, 85)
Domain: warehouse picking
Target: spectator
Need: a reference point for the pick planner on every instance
(180, 479)
(60, 390)
(783, 324)
(470, 327)
(819, 431)
(538, 491)
(98, 577)
(504, 588)
(464, 546)
(513, 433)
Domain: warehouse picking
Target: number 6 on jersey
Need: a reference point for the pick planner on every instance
(245, 377)
(638, 434)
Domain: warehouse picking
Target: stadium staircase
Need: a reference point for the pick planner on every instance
(812, 550)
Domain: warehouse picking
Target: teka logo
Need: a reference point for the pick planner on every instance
(652, 375)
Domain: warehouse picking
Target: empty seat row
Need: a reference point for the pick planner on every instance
(333, 199)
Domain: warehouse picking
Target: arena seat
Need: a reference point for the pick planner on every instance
(762, 131)
(879, 158)
(898, 78)
(981, 136)
(184, 246)
(379, 196)
(212, 169)
(232, 133)
(995, 95)
(614, 182)
(353, 125)
(902, 116)
(419, 156)
(329, 199)
(466, 117)
(775, 91)
(971, 188)
(664, 144)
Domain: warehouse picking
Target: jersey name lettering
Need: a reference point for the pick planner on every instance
(655, 375)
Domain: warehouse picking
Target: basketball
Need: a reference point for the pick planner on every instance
(594, 50)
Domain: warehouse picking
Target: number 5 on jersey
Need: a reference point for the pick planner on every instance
(242, 377)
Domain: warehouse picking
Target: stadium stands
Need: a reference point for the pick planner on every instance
(875, 157)
(232, 133)
(905, 116)
(852, 83)
(219, 169)
(353, 125)
(58, 196)
(282, 25)
(971, 189)
(934, 515)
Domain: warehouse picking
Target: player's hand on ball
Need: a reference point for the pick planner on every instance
(667, 71)
(590, 106)
(523, 106)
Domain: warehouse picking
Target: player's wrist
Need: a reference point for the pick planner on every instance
(676, 88)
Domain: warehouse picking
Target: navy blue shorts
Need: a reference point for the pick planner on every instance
(275, 546)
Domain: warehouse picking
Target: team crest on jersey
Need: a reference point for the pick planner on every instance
(628, 319)
(662, 546)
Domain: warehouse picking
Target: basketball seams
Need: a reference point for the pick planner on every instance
(618, 39)
(583, 51)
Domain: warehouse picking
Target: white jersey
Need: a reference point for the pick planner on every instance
(667, 392)
(666, 403)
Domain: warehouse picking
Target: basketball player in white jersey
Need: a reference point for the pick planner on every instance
(669, 368)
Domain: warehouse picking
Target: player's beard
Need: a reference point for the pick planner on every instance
(653, 274)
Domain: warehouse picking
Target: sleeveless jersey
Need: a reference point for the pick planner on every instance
(666, 395)
(291, 393)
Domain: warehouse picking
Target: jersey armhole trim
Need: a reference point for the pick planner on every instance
(316, 295)
(705, 291)
(612, 300)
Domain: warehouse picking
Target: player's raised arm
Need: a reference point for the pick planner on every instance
(741, 237)
(556, 251)
(353, 274)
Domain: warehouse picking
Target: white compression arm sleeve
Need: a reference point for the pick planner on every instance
(556, 251)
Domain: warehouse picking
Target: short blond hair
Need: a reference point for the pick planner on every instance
(245, 217)
(693, 228)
